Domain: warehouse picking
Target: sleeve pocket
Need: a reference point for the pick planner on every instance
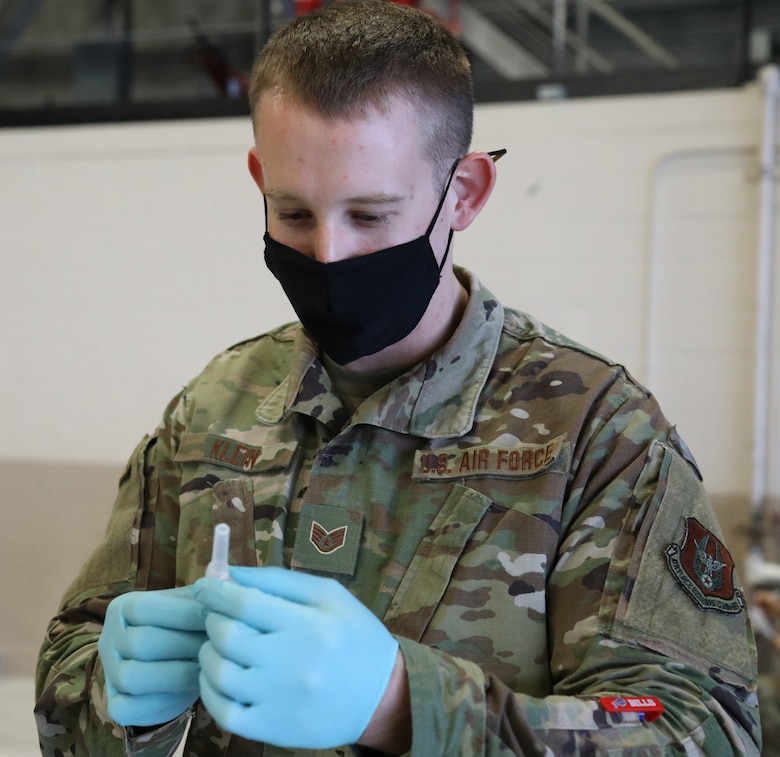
(681, 595)
(113, 566)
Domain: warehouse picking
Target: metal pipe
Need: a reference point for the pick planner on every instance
(743, 41)
(490, 42)
(559, 34)
(583, 28)
(594, 59)
(641, 39)
(125, 84)
(770, 83)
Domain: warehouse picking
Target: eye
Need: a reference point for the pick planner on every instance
(370, 219)
(292, 216)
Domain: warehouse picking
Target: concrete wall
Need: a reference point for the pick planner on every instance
(130, 254)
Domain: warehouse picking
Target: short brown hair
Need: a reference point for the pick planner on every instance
(342, 58)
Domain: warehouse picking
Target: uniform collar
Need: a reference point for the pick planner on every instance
(435, 399)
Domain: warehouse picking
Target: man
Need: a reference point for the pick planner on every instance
(456, 532)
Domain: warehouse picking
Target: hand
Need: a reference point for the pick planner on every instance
(292, 659)
(149, 649)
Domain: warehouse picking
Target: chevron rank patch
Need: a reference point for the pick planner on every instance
(328, 539)
(703, 566)
(327, 542)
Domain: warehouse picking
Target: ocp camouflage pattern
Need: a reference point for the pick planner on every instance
(505, 507)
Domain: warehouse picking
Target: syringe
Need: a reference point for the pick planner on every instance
(218, 567)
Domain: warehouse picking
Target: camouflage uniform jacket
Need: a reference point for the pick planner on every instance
(516, 509)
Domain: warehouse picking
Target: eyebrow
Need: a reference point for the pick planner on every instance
(380, 198)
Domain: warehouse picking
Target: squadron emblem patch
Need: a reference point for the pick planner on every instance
(705, 569)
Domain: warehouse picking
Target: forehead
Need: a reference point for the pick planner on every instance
(386, 141)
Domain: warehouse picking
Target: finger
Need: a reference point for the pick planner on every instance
(246, 646)
(302, 588)
(139, 678)
(149, 710)
(249, 721)
(247, 686)
(259, 722)
(234, 639)
(168, 608)
(262, 611)
(147, 643)
(232, 716)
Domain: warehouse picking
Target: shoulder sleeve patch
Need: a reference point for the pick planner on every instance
(705, 569)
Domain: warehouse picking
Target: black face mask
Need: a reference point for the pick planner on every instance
(358, 306)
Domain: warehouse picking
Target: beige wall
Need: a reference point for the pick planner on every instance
(129, 254)
(53, 515)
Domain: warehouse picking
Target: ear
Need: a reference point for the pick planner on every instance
(474, 180)
(255, 169)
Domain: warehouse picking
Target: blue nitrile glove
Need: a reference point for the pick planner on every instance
(149, 649)
(292, 659)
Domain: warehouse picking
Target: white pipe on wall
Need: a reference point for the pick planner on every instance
(653, 299)
(770, 82)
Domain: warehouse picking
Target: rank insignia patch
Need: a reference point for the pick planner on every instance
(325, 541)
(705, 569)
(328, 539)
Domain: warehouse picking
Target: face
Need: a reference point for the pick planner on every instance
(345, 188)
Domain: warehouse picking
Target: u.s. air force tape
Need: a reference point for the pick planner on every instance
(519, 460)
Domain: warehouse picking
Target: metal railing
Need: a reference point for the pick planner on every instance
(119, 59)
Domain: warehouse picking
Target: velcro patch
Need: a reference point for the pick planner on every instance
(704, 567)
(232, 453)
(328, 539)
(648, 708)
(516, 461)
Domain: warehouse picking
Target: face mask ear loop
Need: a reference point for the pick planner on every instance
(265, 213)
(447, 251)
(436, 216)
(442, 198)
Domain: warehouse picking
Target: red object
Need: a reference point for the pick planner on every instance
(649, 708)
(304, 6)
